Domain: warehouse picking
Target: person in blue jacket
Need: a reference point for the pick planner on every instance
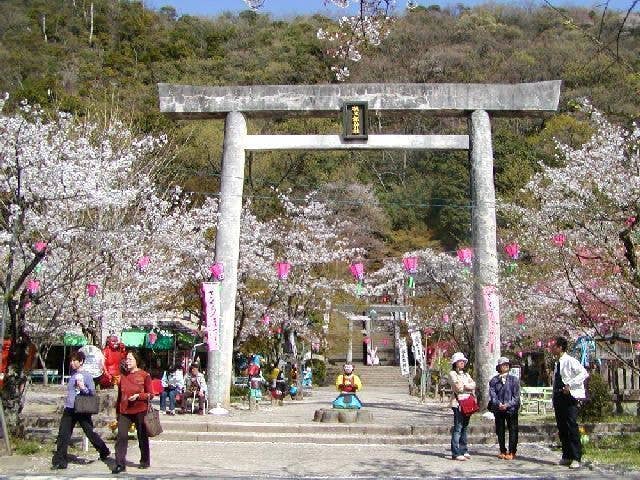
(80, 383)
(504, 394)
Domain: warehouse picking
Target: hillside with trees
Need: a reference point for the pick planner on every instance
(103, 57)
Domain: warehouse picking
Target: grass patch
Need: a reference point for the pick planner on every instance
(21, 446)
(550, 418)
(625, 419)
(623, 450)
(532, 419)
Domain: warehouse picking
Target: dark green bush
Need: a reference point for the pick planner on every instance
(598, 403)
(237, 391)
(319, 371)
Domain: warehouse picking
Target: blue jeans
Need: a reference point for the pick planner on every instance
(171, 393)
(459, 433)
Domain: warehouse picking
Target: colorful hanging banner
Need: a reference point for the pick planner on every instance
(411, 267)
(492, 308)
(211, 311)
(217, 271)
(357, 270)
(283, 269)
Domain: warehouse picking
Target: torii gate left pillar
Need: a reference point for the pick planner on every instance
(219, 362)
(475, 101)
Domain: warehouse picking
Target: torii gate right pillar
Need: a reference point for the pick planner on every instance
(486, 328)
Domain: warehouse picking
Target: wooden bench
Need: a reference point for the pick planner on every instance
(37, 375)
(536, 400)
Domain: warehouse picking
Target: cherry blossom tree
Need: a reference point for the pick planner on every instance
(441, 301)
(88, 238)
(578, 271)
(92, 245)
(307, 236)
(579, 228)
(158, 258)
(57, 174)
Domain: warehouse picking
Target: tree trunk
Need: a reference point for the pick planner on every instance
(43, 365)
(91, 25)
(292, 350)
(300, 392)
(15, 380)
(44, 27)
(236, 336)
(13, 399)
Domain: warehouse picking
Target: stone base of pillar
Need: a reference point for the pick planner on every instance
(333, 415)
(218, 410)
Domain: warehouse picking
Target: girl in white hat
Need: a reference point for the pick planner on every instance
(461, 384)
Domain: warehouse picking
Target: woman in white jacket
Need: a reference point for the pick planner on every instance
(173, 385)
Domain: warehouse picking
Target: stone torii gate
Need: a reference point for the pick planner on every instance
(475, 101)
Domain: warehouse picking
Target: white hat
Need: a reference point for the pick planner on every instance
(502, 361)
(457, 357)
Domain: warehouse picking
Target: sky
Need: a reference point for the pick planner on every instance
(289, 8)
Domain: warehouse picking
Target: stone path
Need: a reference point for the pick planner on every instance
(296, 459)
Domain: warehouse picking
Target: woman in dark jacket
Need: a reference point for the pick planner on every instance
(504, 392)
(134, 395)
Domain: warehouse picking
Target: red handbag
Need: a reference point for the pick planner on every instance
(468, 405)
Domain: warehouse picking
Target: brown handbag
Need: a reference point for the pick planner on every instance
(151, 422)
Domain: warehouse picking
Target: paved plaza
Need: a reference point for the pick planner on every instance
(289, 455)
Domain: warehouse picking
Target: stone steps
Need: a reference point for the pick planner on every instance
(300, 438)
(342, 428)
(396, 418)
(190, 429)
(373, 376)
(341, 434)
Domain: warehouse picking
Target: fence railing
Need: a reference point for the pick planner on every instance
(624, 383)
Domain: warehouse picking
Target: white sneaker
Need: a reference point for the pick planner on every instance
(461, 458)
(575, 464)
(467, 456)
(162, 412)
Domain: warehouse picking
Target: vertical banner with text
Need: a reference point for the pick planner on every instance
(404, 357)
(418, 351)
(211, 310)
